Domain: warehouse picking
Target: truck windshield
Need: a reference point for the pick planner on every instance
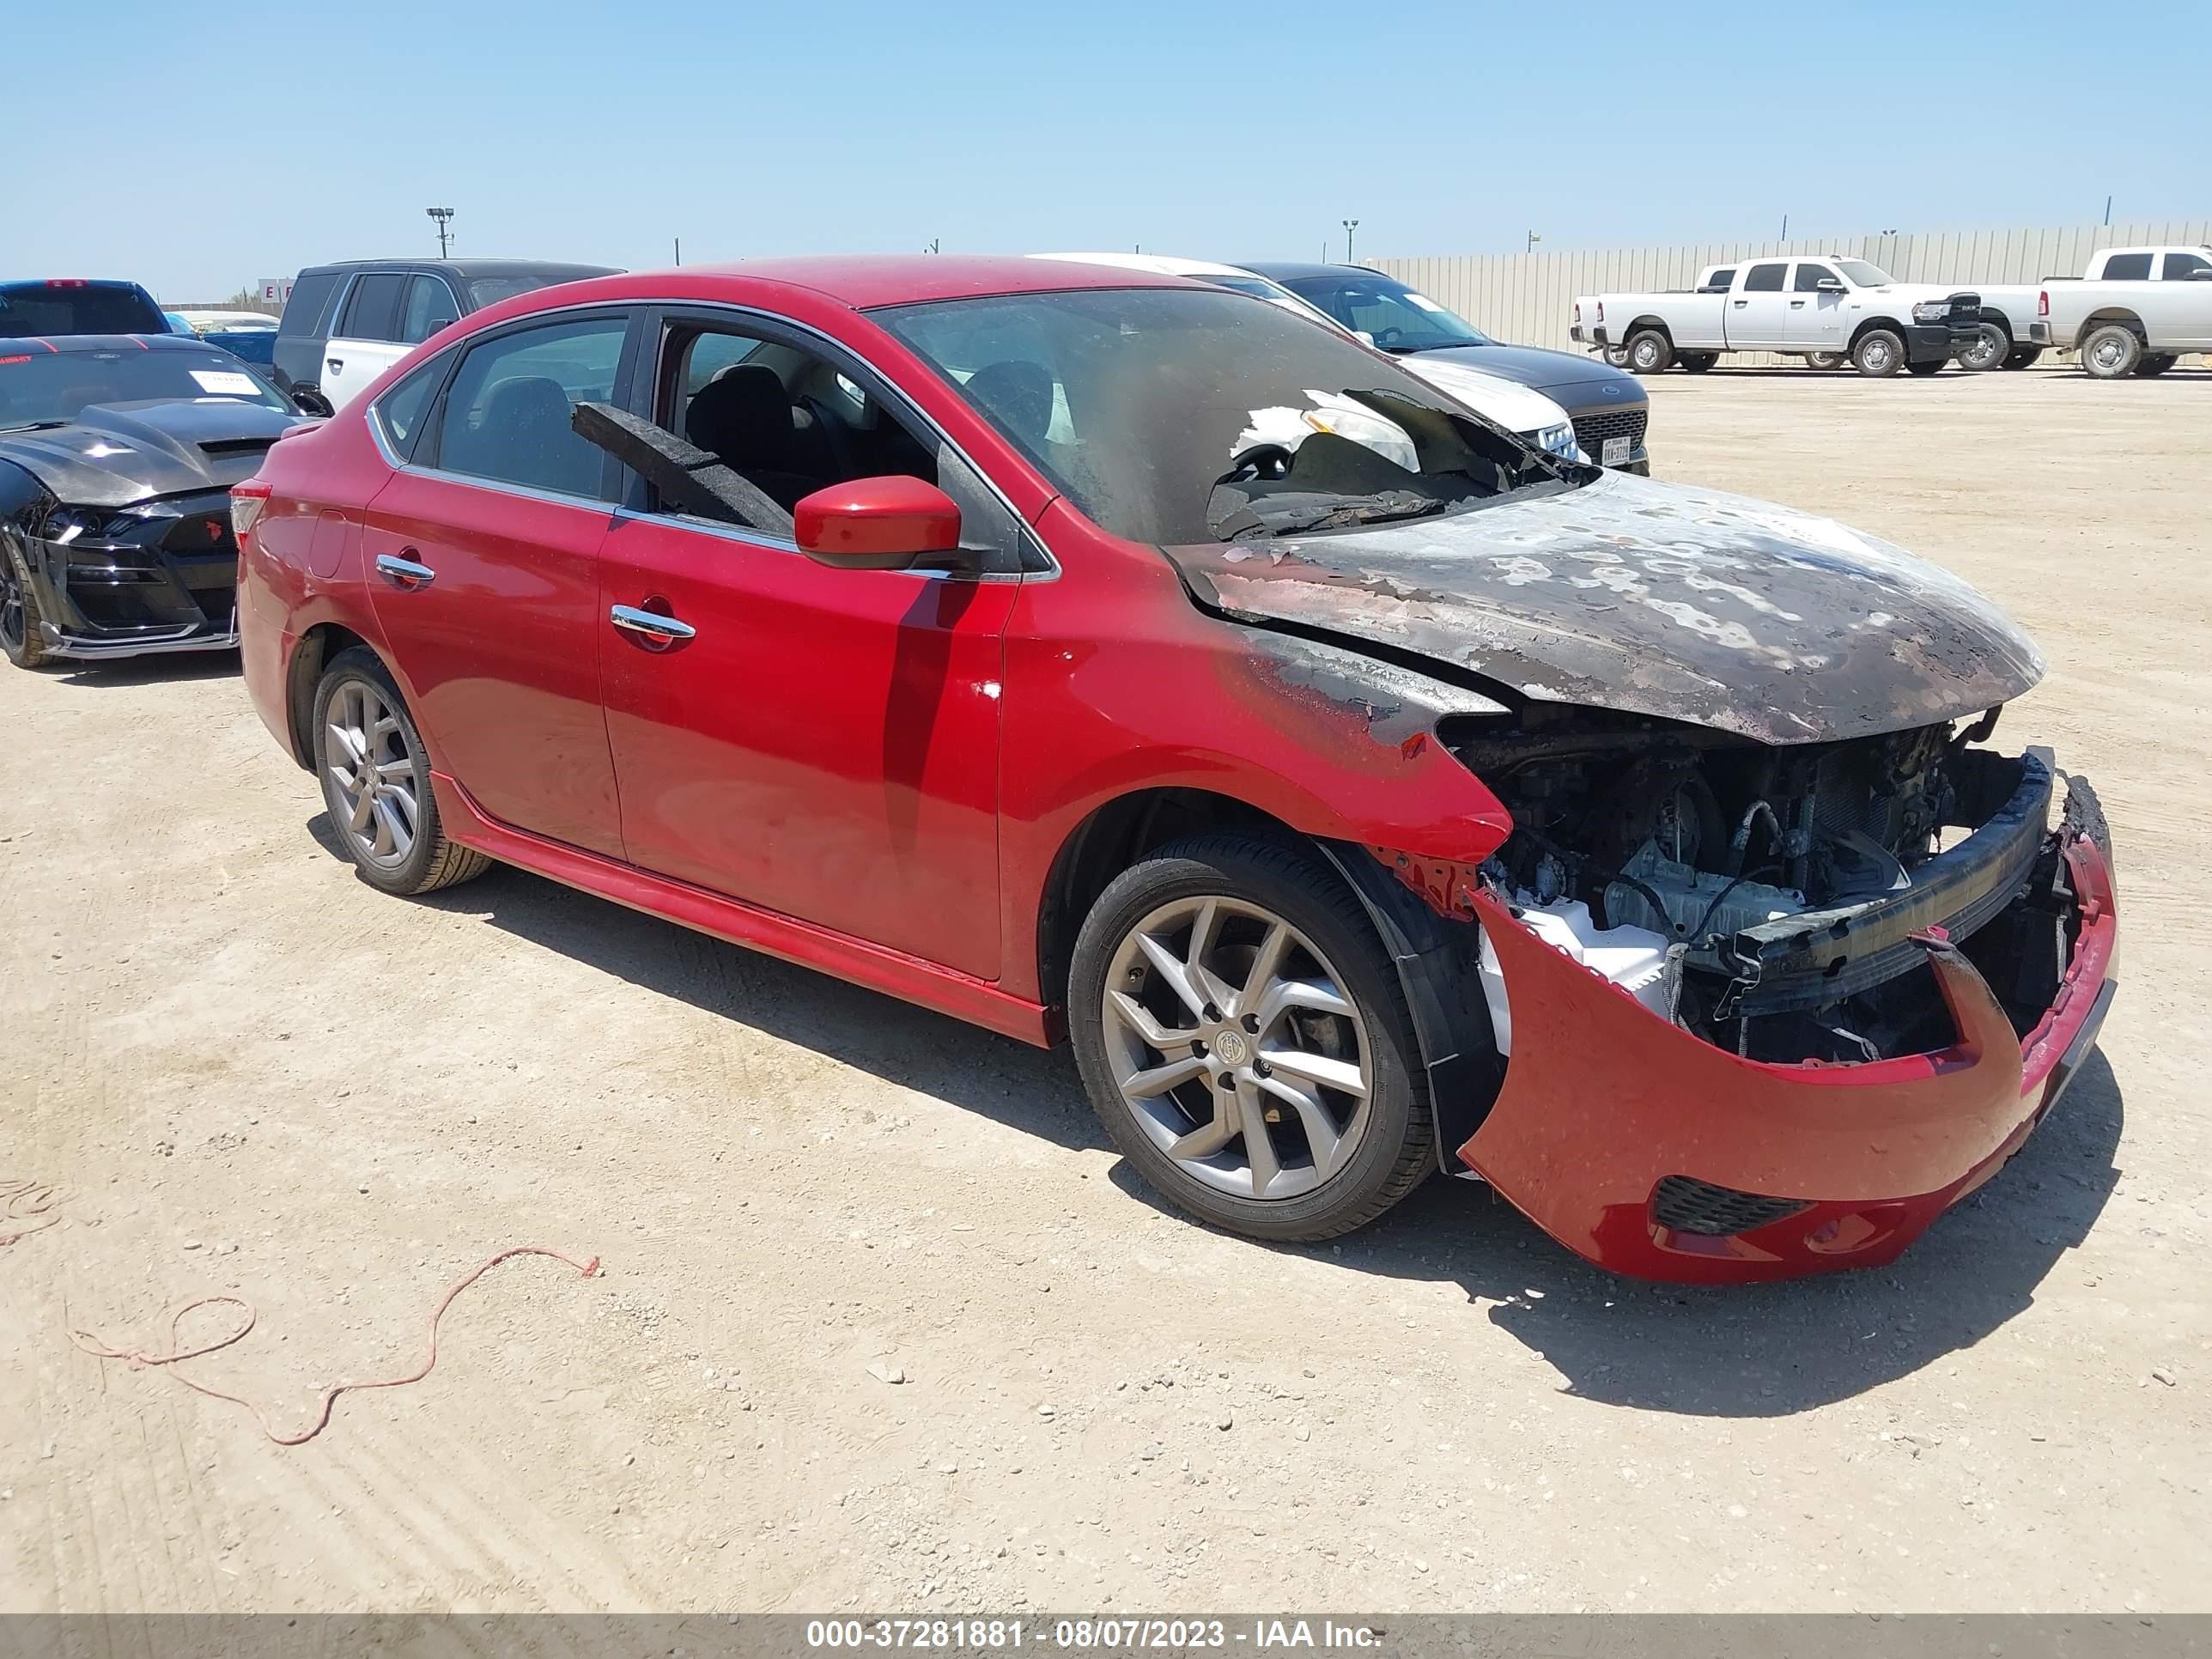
(43, 388)
(1180, 416)
(1862, 274)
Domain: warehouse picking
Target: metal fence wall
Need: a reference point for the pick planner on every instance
(1527, 298)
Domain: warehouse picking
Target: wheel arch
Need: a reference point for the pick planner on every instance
(316, 647)
(2120, 314)
(1657, 325)
(1868, 326)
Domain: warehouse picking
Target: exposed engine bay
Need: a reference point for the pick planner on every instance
(1766, 898)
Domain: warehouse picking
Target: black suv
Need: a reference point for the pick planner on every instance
(346, 324)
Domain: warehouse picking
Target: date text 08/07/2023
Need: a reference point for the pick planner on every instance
(978, 1635)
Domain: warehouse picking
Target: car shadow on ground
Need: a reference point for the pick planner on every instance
(163, 666)
(1757, 1351)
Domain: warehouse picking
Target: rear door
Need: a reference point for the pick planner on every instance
(1757, 310)
(1817, 321)
(297, 355)
(365, 340)
(484, 556)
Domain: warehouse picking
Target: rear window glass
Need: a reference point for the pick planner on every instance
(2127, 268)
(36, 309)
(311, 298)
(1765, 279)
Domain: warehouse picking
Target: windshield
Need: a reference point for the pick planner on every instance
(1399, 318)
(1176, 416)
(47, 387)
(490, 290)
(1864, 274)
(34, 310)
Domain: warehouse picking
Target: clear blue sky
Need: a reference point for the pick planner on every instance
(197, 148)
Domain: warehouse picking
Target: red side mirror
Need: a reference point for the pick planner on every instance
(876, 524)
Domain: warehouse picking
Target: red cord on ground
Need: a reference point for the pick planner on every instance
(136, 1358)
(36, 1203)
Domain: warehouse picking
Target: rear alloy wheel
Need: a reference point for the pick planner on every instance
(1991, 347)
(376, 782)
(2111, 351)
(2156, 362)
(20, 638)
(1650, 352)
(1878, 354)
(1824, 359)
(1242, 1036)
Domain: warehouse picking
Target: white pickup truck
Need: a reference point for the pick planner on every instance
(2133, 313)
(1829, 309)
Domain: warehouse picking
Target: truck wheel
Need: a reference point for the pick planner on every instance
(1878, 354)
(1991, 347)
(1824, 359)
(2110, 351)
(1616, 355)
(2022, 356)
(1697, 362)
(1931, 366)
(2156, 362)
(1649, 352)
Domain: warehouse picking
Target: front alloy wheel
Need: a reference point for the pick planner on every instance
(20, 639)
(1244, 1039)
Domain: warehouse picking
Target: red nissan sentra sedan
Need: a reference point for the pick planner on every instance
(1089, 654)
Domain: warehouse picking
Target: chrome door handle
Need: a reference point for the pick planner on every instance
(404, 573)
(650, 625)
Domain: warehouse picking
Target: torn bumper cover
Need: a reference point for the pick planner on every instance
(162, 576)
(1655, 1153)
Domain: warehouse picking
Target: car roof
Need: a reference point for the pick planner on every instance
(865, 280)
(63, 345)
(1161, 264)
(466, 268)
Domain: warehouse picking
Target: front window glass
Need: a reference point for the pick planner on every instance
(1864, 274)
(1177, 415)
(429, 307)
(507, 416)
(2184, 267)
(53, 388)
(1810, 278)
(1399, 318)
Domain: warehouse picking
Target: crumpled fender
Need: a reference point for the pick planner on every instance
(1602, 1099)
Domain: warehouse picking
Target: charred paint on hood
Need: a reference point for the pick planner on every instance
(118, 454)
(1651, 599)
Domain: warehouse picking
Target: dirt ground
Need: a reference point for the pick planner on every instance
(253, 1074)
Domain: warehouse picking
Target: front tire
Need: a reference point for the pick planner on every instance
(1243, 1037)
(20, 639)
(1878, 354)
(2156, 362)
(1991, 349)
(1650, 352)
(376, 782)
(2111, 352)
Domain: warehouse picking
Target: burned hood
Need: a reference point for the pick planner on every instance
(1648, 599)
(116, 455)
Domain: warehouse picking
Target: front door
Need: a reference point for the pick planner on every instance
(819, 743)
(1756, 310)
(484, 558)
(1817, 321)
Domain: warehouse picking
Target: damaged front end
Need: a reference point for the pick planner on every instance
(156, 575)
(1769, 1009)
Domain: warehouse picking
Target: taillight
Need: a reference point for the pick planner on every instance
(1578, 311)
(2043, 302)
(67, 282)
(1600, 311)
(246, 501)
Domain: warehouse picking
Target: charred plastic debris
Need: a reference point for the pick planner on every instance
(1767, 899)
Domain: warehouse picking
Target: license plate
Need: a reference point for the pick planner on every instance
(1615, 453)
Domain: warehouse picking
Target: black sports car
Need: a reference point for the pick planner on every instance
(117, 456)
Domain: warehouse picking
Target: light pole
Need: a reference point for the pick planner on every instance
(1350, 224)
(445, 217)
(1533, 240)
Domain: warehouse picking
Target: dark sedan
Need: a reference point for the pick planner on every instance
(1608, 408)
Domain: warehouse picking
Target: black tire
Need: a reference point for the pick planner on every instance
(1824, 359)
(1397, 1149)
(2156, 362)
(2022, 356)
(1697, 362)
(430, 862)
(1616, 355)
(1992, 348)
(20, 638)
(1650, 352)
(2110, 351)
(1878, 354)
(1928, 365)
